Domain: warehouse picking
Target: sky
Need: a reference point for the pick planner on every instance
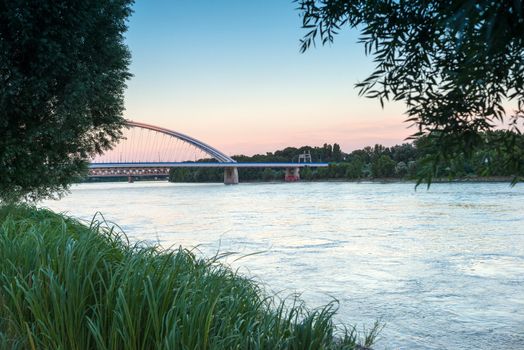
(230, 73)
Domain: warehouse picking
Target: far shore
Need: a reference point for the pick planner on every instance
(480, 179)
(414, 181)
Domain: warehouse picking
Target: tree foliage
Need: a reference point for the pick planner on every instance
(408, 161)
(457, 64)
(63, 67)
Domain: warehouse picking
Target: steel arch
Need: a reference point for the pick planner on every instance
(213, 152)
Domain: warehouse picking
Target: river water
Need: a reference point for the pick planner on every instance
(442, 268)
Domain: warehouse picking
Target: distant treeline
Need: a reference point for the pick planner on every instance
(405, 161)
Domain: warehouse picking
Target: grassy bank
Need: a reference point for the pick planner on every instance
(67, 285)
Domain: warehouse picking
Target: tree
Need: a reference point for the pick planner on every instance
(383, 166)
(179, 175)
(327, 153)
(337, 153)
(355, 167)
(486, 161)
(63, 68)
(455, 63)
(268, 175)
(401, 169)
(403, 153)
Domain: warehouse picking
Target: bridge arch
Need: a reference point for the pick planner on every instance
(143, 142)
(215, 153)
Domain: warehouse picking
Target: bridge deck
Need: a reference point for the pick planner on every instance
(205, 165)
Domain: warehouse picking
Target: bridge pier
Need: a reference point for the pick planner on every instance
(230, 176)
(292, 174)
(130, 179)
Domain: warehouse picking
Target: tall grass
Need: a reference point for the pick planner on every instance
(67, 285)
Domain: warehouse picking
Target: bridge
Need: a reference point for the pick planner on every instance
(148, 150)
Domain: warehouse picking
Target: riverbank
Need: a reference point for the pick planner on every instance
(70, 285)
(480, 179)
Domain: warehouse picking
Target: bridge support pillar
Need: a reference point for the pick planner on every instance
(130, 179)
(292, 174)
(231, 176)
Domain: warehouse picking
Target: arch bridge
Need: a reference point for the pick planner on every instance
(148, 150)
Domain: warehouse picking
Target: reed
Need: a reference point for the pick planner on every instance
(65, 284)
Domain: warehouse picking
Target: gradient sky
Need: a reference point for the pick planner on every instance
(230, 73)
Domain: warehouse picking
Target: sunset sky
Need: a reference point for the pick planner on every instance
(230, 73)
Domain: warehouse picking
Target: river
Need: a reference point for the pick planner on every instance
(442, 268)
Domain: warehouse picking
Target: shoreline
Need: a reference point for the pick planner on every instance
(484, 179)
(142, 294)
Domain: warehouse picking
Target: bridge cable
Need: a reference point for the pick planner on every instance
(176, 147)
(164, 146)
(157, 144)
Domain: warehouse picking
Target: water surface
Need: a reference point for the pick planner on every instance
(443, 269)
